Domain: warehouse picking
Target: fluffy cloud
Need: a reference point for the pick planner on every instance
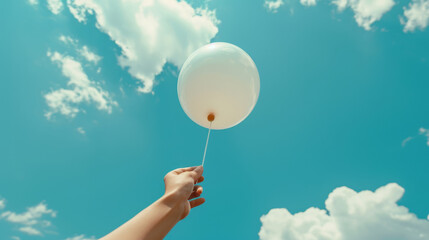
(81, 237)
(30, 230)
(89, 55)
(425, 132)
(55, 6)
(82, 90)
(366, 11)
(68, 40)
(33, 220)
(417, 15)
(149, 33)
(349, 216)
(31, 216)
(33, 2)
(341, 4)
(81, 130)
(2, 203)
(308, 2)
(273, 6)
(83, 51)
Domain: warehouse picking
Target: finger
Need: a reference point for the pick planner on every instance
(201, 179)
(196, 173)
(197, 202)
(182, 170)
(196, 192)
(194, 195)
(198, 188)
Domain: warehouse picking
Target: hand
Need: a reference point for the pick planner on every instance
(155, 221)
(180, 185)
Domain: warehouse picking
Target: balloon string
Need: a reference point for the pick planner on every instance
(207, 143)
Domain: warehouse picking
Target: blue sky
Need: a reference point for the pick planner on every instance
(343, 102)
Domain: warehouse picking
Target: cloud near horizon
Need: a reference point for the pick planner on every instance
(81, 237)
(349, 215)
(33, 221)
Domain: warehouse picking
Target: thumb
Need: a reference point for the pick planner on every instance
(197, 173)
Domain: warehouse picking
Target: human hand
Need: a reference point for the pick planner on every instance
(180, 185)
(155, 221)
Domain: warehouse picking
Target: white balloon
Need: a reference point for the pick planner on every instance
(219, 79)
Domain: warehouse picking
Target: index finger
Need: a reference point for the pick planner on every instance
(196, 173)
(182, 170)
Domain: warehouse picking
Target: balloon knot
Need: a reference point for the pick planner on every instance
(211, 117)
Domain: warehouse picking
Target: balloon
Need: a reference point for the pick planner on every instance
(218, 83)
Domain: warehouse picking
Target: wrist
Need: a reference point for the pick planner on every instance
(177, 195)
(174, 202)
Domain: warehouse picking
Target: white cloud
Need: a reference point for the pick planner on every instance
(273, 6)
(149, 33)
(81, 237)
(425, 132)
(81, 130)
(366, 11)
(417, 15)
(68, 40)
(31, 216)
(82, 90)
(308, 2)
(30, 230)
(33, 220)
(2, 203)
(89, 55)
(84, 51)
(33, 2)
(341, 4)
(349, 216)
(55, 6)
(406, 140)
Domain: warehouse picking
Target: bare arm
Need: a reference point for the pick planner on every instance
(154, 222)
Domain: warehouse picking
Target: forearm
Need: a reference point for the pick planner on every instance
(153, 223)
